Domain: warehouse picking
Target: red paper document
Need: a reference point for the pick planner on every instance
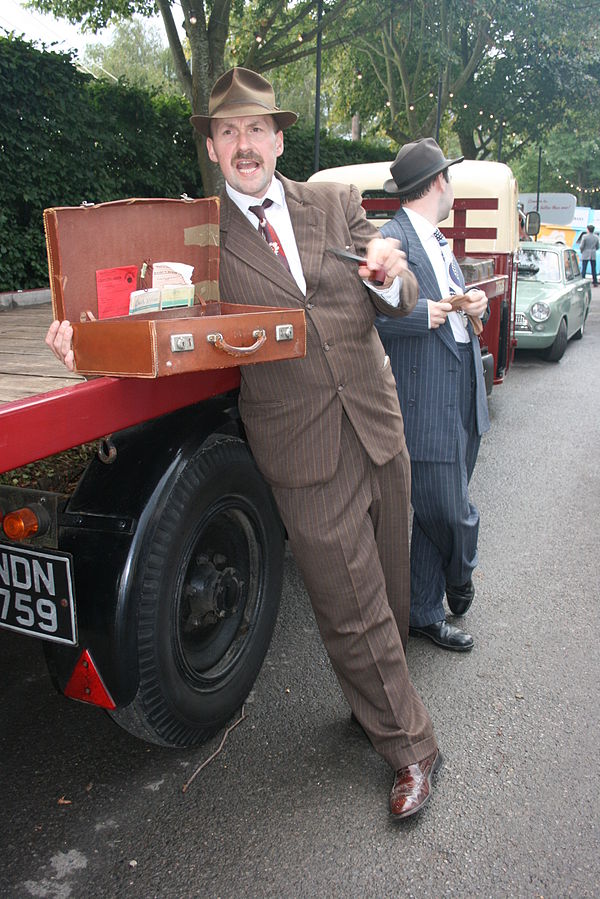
(113, 288)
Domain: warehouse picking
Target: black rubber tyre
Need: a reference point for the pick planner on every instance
(557, 350)
(208, 598)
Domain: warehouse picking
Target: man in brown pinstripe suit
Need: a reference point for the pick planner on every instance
(326, 431)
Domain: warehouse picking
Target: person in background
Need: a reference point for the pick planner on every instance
(436, 360)
(588, 244)
(326, 431)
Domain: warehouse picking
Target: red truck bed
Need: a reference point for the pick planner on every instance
(44, 409)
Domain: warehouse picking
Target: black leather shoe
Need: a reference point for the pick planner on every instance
(445, 635)
(460, 598)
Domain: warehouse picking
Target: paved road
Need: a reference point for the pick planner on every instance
(295, 804)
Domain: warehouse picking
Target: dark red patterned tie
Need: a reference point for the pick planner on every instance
(268, 231)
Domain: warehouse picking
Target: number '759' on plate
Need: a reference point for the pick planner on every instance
(36, 593)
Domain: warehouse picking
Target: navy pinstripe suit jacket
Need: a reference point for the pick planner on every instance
(426, 362)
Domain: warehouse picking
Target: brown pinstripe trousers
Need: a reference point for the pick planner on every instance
(349, 537)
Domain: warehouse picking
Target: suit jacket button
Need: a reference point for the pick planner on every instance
(310, 306)
(340, 388)
(326, 347)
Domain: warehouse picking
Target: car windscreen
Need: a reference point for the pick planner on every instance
(539, 265)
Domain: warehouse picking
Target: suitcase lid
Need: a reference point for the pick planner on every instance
(81, 240)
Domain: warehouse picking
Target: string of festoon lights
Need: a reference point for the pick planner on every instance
(492, 118)
(488, 117)
(573, 186)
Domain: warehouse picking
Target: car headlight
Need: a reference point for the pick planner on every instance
(540, 312)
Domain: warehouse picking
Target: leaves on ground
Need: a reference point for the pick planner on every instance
(58, 474)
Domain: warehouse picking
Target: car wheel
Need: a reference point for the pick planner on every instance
(556, 351)
(207, 598)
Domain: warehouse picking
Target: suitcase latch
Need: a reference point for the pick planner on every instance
(181, 343)
(284, 332)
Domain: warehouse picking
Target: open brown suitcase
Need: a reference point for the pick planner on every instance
(211, 334)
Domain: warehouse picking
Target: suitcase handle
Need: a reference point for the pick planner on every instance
(220, 343)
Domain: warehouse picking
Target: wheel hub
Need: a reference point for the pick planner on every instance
(213, 593)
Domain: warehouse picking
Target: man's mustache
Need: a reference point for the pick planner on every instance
(247, 157)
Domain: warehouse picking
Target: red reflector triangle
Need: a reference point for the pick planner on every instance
(86, 684)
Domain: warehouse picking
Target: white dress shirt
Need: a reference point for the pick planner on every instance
(426, 234)
(279, 216)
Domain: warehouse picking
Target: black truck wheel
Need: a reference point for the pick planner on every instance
(207, 594)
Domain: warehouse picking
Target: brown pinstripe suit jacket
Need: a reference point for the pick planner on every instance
(292, 410)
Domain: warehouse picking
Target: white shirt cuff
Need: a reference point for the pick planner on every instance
(391, 295)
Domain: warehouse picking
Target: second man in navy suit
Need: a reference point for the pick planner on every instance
(436, 360)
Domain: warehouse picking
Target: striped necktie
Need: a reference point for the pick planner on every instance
(268, 231)
(454, 278)
(452, 272)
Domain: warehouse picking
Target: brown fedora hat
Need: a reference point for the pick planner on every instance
(415, 164)
(241, 92)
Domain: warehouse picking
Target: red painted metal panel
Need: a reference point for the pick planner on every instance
(381, 204)
(48, 423)
(459, 223)
(471, 233)
(460, 231)
(475, 203)
(490, 337)
(390, 204)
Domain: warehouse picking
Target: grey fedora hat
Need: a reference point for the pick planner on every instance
(242, 92)
(415, 164)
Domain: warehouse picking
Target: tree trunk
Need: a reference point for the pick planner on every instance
(212, 179)
(467, 143)
(356, 126)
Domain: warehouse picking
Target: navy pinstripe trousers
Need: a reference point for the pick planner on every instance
(445, 522)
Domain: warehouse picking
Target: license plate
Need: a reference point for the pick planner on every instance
(36, 593)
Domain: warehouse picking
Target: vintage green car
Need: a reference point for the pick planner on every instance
(553, 300)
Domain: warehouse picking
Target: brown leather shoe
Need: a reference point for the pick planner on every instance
(412, 786)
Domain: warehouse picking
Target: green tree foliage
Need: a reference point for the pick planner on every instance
(543, 68)
(267, 34)
(138, 55)
(66, 139)
(294, 87)
(483, 72)
(404, 51)
(518, 62)
(570, 161)
(297, 159)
